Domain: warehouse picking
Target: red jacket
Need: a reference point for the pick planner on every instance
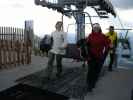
(98, 44)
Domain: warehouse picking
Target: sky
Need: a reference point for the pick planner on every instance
(15, 12)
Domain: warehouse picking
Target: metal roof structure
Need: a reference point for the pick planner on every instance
(102, 7)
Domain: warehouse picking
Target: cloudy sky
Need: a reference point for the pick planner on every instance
(15, 12)
(124, 9)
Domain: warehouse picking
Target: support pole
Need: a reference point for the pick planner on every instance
(80, 20)
(62, 18)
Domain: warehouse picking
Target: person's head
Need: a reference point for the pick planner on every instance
(111, 28)
(96, 28)
(59, 25)
(46, 36)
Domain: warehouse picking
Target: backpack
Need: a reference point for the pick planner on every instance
(82, 44)
(47, 40)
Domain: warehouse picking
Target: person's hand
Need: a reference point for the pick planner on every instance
(111, 46)
(63, 47)
(78, 48)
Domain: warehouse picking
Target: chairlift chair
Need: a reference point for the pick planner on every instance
(126, 46)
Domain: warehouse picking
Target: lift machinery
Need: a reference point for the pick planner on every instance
(102, 8)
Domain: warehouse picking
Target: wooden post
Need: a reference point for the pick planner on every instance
(0, 54)
(0, 48)
(19, 47)
(4, 48)
(15, 46)
(24, 47)
(9, 47)
(29, 45)
(12, 46)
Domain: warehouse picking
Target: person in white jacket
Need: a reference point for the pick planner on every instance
(58, 49)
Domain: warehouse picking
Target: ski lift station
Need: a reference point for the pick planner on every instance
(24, 64)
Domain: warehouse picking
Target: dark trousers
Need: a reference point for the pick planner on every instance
(51, 57)
(132, 95)
(112, 58)
(94, 69)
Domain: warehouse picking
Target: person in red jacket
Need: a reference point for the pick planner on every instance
(98, 48)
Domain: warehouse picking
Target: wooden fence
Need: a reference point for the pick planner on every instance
(14, 50)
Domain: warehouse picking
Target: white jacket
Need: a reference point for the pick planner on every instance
(59, 42)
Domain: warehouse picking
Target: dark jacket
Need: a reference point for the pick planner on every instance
(84, 47)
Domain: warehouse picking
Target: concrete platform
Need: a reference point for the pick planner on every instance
(116, 85)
